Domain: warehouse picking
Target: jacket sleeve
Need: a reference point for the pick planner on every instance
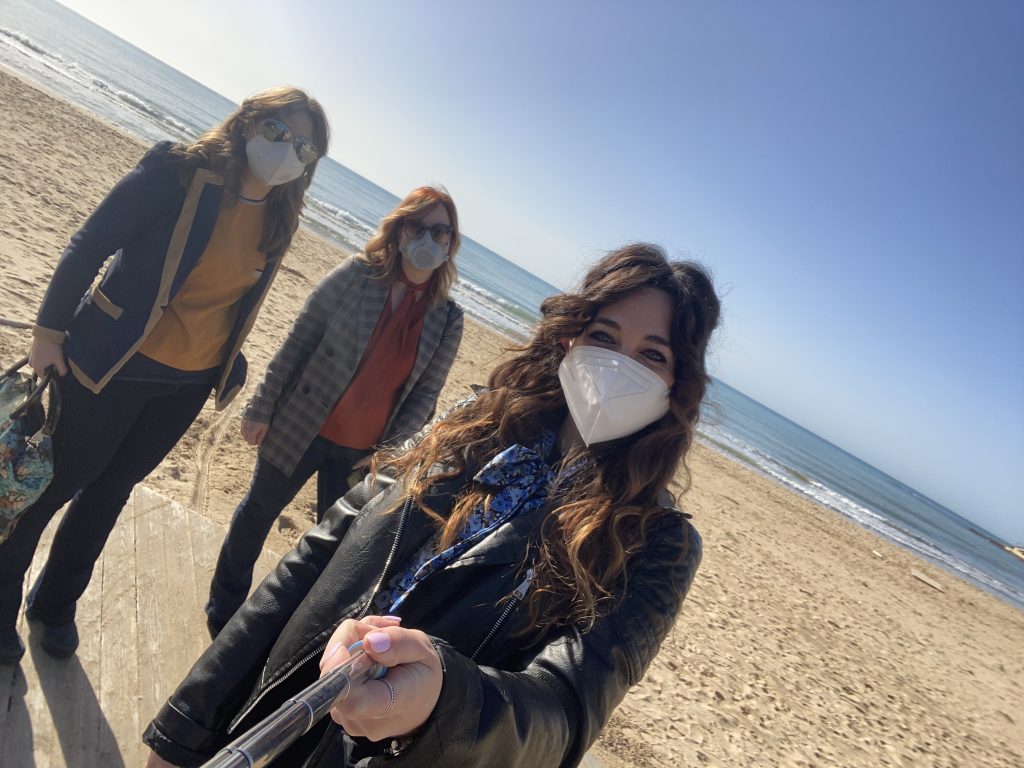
(146, 194)
(192, 726)
(421, 402)
(552, 711)
(302, 340)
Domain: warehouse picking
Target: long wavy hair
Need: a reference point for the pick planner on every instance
(222, 149)
(382, 249)
(601, 520)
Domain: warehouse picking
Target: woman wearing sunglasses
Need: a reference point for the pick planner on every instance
(362, 367)
(196, 234)
(516, 569)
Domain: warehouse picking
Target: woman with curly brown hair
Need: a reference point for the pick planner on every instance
(516, 569)
(197, 233)
(362, 366)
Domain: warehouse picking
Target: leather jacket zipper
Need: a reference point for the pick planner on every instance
(517, 597)
(391, 556)
(361, 614)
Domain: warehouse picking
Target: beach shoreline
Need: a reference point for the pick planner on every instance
(806, 640)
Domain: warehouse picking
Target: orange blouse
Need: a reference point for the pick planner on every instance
(361, 414)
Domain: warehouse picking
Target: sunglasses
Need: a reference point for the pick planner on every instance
(274, 130)
(440, 233)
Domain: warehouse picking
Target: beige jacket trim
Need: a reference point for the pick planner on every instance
(100, 300)
(175, 249)
(48, 334)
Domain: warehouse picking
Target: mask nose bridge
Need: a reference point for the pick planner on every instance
(612, 378)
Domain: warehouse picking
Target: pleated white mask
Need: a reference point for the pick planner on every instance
(609, 394)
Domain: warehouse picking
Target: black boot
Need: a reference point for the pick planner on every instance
(58, 640)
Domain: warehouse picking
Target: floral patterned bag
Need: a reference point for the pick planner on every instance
(26, 451)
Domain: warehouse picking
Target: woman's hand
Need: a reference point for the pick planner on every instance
(44, 354)
(253, 432)
(403, 700)
(155, 761)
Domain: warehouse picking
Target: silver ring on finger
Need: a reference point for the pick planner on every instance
(391, 699)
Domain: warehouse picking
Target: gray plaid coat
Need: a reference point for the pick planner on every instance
(318, 360)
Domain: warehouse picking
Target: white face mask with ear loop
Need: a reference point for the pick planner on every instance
(273, 162)
(609, 394)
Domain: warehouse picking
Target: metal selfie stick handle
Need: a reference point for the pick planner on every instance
(273, 735)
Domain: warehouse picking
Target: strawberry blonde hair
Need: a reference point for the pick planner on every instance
(382, 249)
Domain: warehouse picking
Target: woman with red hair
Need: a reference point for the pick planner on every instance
(362, 367)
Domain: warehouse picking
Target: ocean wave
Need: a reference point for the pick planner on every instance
(148, 111)
(491, 314)
(726, 443)
(336, 225)
(75, 72)
(523, 316)
(791, 478)
(176, 125)
(352, 222)
(27, 42)
(141, 105)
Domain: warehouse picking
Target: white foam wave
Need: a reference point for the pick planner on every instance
(493, 314)
(26, 42)
(75, 72)
(507, 303)
(723, 441)
(350, 221)
(132, 100)
(177, 125)
(336, 224)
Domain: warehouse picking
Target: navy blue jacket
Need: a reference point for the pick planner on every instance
(156, 229)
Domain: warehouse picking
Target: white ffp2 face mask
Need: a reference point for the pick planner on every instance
(423, 252)
(273, 162)
(610, 395)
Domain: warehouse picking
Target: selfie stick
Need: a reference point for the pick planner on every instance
(271, 736)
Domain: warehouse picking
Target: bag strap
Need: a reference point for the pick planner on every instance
(53, 412)
(49, 379)
(15, 368)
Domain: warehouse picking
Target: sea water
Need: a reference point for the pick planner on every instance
(810, 465)
(110, 77)
(93, 68)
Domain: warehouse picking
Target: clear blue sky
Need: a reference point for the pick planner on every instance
(853, 172)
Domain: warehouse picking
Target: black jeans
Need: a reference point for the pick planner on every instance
(270, 492)
(103, 445)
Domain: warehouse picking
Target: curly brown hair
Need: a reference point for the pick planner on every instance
(222, 149)
(597, 524)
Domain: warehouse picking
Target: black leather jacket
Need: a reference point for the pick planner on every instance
(500, 703)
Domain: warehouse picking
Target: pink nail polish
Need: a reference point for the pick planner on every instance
(393, 618)
(378, 641)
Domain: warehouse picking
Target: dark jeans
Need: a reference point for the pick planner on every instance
(270, 492)
(103, 445)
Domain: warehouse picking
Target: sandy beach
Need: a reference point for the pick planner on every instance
(806, 641)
